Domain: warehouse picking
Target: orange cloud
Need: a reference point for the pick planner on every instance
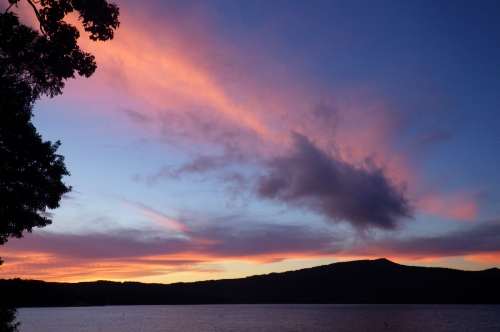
(491, 257)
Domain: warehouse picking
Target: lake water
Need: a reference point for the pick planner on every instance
(301, 317)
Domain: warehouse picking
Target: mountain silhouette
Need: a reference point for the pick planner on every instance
(363, 281)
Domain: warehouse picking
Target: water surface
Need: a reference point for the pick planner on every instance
(300, 317)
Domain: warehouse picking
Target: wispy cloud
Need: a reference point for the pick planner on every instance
(128, 254)
(131, 253)
(202, 164)
(480, 240)
(159, 218)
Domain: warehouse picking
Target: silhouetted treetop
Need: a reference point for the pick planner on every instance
(28, 58)
(98, 17)
(45, 59)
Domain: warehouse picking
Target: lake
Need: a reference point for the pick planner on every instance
(277, 317)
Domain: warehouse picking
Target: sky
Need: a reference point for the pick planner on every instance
(223, 139)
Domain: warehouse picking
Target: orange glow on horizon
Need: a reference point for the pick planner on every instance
(490, 258)
(169, 268)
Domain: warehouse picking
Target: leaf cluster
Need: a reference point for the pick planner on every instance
(98, 17)
(47, 58)
(30, 169)
(27, 57)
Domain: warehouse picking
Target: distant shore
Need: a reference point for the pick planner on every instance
(366, 281)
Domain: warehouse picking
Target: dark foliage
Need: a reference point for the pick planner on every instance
(34, 63)
(27, 58)
(7, 318)
(44, 60)
(30, 170)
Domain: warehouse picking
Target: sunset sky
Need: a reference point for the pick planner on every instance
(222, 139)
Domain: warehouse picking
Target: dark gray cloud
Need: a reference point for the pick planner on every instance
(308, 177)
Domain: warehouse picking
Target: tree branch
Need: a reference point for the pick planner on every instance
(9, 8)
(37, 16)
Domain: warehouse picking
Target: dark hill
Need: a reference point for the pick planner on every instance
(366, 281)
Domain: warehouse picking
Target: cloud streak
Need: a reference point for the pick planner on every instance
(129, 254)
(158, 217)
(481, 239)
(126, 253)
(202, 164)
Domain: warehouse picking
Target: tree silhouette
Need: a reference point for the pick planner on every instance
(30, 170)
(7, 318)
(34, 63)
(45, 59)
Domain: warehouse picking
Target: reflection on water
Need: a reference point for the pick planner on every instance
(300, 317)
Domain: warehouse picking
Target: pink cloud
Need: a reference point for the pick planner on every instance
(456, 206)
(159, 218)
